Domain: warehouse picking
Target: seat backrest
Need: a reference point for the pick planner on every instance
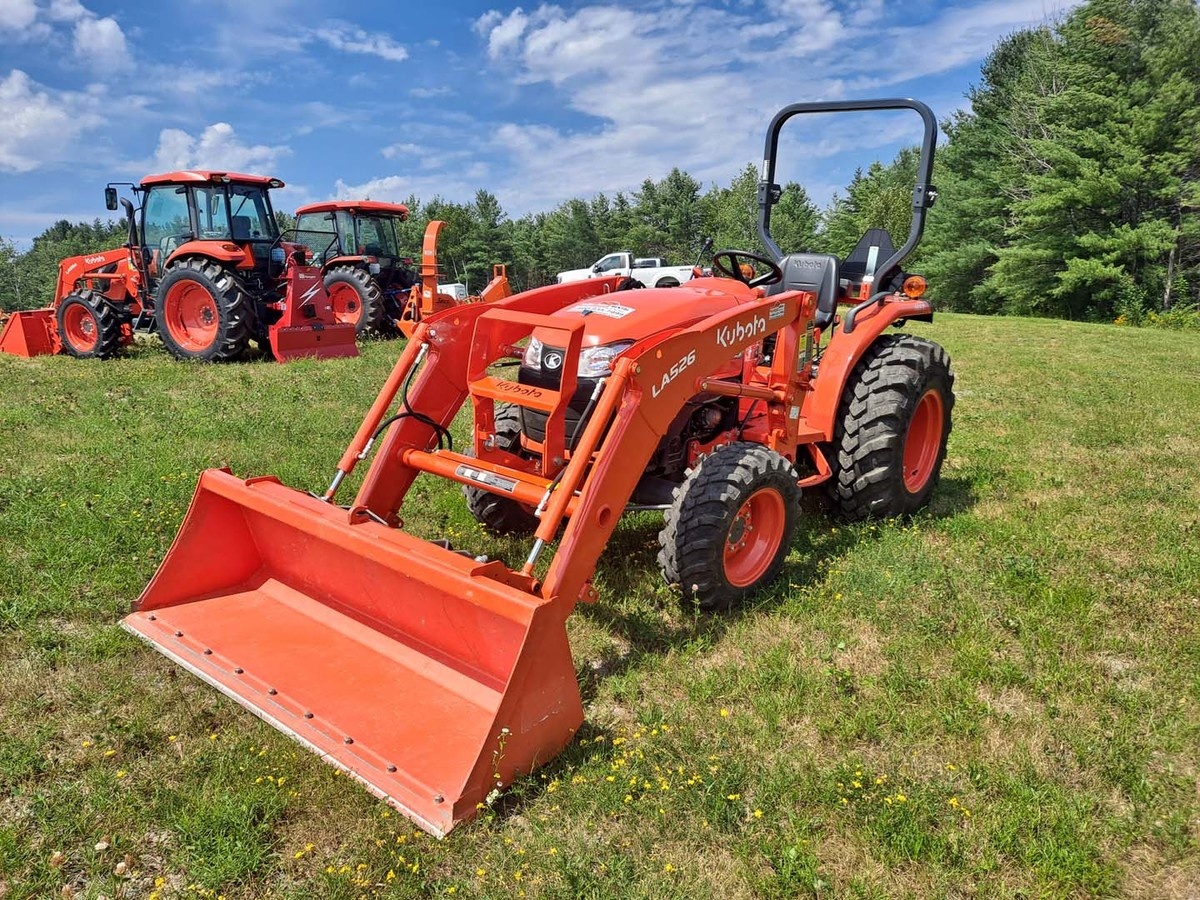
(241, 228)
(872, 249)
(816, 272)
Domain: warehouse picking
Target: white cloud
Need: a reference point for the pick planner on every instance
(394, 150)
(17, 15)
(352, 39)
(67, 10)
(461, 186)
(40, 125)
(422, 93)
(963, 35)
(503, 32)
(101, 42)
(694, 86)
(98, 43)
(217, 147)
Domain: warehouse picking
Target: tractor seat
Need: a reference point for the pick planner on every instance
(873, 248)
(241, 228)
(816, 272)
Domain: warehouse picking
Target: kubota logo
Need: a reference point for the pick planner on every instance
(728, 335)
(92, 260)
(519, 389)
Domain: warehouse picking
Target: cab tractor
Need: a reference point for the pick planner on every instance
(205, 267)
(436, 675)
(356, 243)
(371, 285)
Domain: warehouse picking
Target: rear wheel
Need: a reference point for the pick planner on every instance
(498, 514)
(355, 298)
(730, 526)
(203, 312)
(890, 437)
(88, 326)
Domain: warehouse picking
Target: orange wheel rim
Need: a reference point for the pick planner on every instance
(923, 441)
(191, 316)
(754, 537)
(81, 328)
(347, 308)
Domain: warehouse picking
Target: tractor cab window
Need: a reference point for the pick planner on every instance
(377, 236)
(250, 214)
(212, 212)
(316, 232)
(165, 220)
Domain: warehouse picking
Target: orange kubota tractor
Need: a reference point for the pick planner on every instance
(205, 267)
(371, 285)
(436, 676)
(357, 244)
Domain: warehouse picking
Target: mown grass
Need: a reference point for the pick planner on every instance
(999, 698)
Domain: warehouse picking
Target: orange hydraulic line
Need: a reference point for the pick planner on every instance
(358, 447)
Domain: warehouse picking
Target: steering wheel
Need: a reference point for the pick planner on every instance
(774, 275)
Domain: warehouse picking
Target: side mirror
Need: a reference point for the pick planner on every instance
(596, 268)
(110, 198)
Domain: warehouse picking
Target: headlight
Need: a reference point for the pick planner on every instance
(594, 362)
(597, 362)
(533, 354)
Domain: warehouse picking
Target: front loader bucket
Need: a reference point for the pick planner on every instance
(417, 670)
(30, 332)
(318, 340)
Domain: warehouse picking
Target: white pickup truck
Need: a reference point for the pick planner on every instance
(649, 271)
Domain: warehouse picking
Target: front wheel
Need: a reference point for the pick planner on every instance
(203, 312)
(88, 326)
(893, 423)
(730, 526)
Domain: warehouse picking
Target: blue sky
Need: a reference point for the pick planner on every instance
(535, 103)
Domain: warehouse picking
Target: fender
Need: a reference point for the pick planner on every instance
(225, 251)
(820, 405)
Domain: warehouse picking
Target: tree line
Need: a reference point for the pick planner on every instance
(1069, 188)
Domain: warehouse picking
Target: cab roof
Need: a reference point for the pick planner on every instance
(367, 206)
(205, 176)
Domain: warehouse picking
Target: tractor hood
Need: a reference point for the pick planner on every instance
(636, 314)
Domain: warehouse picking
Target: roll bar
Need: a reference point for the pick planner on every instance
(923, 195)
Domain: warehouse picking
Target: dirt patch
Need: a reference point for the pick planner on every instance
(1149, 877)
(863, 652)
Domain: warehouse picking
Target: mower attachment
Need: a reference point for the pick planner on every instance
(414, 669)
(308, 326)
(328, 340)
(30, 332)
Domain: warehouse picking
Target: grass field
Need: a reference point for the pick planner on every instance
(1000, 698)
